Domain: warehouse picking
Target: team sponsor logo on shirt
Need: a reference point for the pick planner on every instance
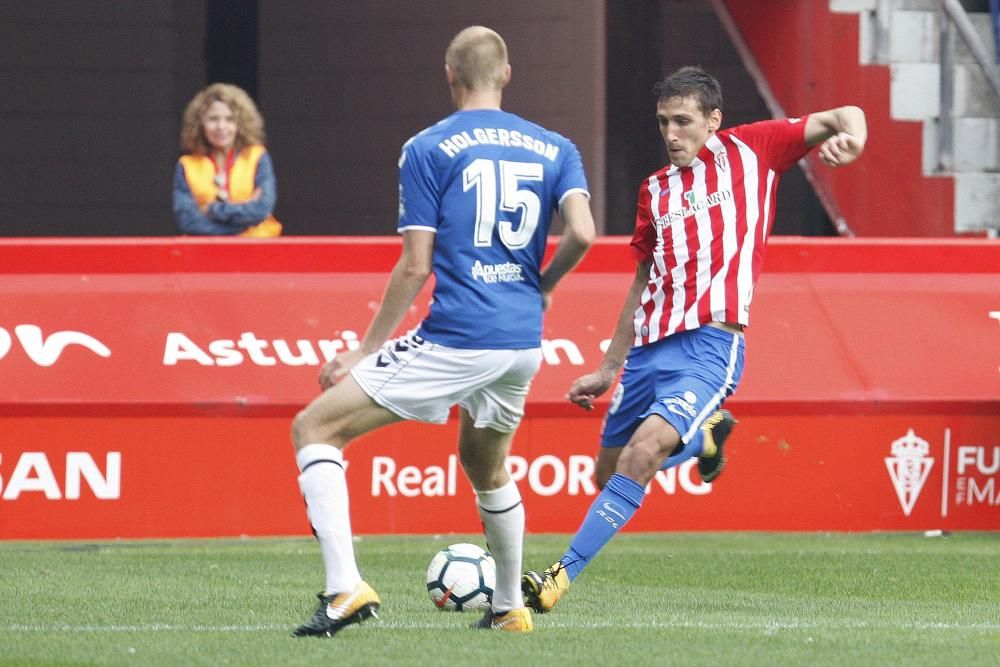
(504, 272)
(693, 207)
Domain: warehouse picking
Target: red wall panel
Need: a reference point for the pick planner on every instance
(147, 392)
(203, 477)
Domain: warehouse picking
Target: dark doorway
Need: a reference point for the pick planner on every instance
(231, 43)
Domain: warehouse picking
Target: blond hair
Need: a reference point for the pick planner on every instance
(249, 123)
(477, 57)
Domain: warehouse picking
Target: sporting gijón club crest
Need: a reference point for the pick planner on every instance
(909, 467)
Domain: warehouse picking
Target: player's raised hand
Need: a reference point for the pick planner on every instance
(840, 149)
(586, 388)
(335, 369)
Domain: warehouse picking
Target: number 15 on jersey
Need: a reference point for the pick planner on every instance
(482, 175)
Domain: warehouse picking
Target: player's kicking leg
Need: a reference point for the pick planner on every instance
(543, 590)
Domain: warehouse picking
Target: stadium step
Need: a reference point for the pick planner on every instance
(912, 53)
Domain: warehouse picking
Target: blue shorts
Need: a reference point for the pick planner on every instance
(683, 378)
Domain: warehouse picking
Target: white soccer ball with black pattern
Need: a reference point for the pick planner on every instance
(461, 577)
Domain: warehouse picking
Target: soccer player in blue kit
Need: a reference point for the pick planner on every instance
(477, 193)
(701, 227)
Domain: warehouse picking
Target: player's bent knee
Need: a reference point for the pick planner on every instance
(605, 465)
(483, 476)
(299, 430)
(641, 458)
(307, 429)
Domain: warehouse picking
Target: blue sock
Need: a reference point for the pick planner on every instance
(694, 447)
(611, 510)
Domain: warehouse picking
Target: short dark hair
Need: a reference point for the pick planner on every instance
(693, 82)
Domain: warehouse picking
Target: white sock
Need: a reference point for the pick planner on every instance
(503, 521)
(325, 489)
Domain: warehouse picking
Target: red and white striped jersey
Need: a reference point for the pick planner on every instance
(704, 227)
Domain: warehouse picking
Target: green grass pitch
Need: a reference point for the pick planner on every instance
(649, 599)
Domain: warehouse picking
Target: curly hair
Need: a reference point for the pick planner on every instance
(249, 122)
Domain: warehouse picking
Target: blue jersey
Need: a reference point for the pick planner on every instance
(486, 182)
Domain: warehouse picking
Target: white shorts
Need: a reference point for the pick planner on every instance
(420, 380)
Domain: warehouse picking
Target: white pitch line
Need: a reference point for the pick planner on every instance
(547, 623)
(153, 627)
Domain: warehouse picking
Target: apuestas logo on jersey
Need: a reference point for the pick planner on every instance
(973, 482)
(504, 272)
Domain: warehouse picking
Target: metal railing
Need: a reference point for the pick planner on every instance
(995, 22)
(955, 14)
(883, 28)
(954, 17)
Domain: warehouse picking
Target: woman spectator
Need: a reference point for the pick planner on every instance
(224, 183)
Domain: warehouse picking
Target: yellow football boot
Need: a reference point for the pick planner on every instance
(337, 610)
(515, 620)
(716, 429)
(543, 591)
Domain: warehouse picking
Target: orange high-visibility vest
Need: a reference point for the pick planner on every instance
(199, 171)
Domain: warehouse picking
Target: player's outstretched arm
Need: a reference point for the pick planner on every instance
(586, 388)
(842, 132)
(577, 237)
(407, 277)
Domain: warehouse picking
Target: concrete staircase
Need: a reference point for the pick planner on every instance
(912, 52)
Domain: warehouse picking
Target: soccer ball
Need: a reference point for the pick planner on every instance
(461, 578)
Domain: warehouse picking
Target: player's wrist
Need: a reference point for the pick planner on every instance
(608, 371)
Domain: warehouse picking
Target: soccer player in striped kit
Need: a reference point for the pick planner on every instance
(477, 192)
(701, 227)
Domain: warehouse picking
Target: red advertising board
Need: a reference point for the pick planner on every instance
(148, 388)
